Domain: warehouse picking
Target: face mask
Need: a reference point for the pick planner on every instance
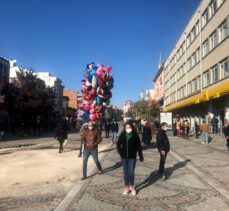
(128, 130)
(90, 128)
(165, 128)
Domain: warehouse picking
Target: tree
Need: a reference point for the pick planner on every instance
(142, 110)
(28, 100)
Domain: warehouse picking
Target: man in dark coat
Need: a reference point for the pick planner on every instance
(61, 135)
(147, 135)
(114, 129)
(226, 133)
(107, 129)
(214, 123)
(163, 147)
(197, 129)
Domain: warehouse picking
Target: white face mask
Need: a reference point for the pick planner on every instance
(90, 128)
(128, 130)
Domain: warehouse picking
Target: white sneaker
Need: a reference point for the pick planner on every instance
(133, 191)
(126, 190)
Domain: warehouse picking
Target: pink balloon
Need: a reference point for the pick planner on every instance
(109, 68)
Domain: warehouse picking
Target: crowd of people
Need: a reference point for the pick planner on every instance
(128, 142)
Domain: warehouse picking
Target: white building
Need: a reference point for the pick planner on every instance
(50, 81)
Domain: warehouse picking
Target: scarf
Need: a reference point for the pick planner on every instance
(128, 136)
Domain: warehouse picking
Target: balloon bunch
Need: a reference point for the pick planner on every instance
(96, 91)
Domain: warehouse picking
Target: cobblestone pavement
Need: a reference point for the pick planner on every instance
(184, 189)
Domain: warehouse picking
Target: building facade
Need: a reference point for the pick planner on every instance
(56, 84)
(196, 73)
(4, 79)
(4, 71)
(72, 95)
(159, 85)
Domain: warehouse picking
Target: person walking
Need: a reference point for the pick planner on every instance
(197, 129)
(128, 145)
(226, 133)
(178, 127)
(185, 129)
(61, 135)
(82, 125)
(91, 138)
(214, 123)
(163, 147)
(147, 135)
(204, 129)
(114, 129)
(107, 129)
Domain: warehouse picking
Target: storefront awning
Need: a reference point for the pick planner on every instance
(207, 94)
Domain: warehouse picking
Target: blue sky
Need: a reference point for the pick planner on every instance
(62, 36)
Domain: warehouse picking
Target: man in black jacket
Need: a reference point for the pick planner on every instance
(163, 147)
(226, 133)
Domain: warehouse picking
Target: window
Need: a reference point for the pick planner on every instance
(194, 85)
(205, 48)
(213, 40)
(224, 70)
(193, 34)
(198, 83)
(189, 64)
(188, 41)
(197, 28)
(212, 8)
(215, 74)
(204, 18)
(198, 55)
(207, 78)
(189, 88)
(193, 59)
(223, 31)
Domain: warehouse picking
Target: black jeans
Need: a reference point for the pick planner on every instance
(162, 163)
(61, 146)
(107, 134)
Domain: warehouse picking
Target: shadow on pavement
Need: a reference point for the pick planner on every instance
(154, 176)
(112, 168)
(176, 166)
(150, 146)
(107, 150)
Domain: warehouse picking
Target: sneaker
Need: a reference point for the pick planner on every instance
(83, 178)
(126, 190)
(203, 142)
(133, 191)
(163, 177)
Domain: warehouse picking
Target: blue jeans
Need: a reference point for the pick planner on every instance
(114, 136)
(128, 170)
(86, 154)
(205, 137)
